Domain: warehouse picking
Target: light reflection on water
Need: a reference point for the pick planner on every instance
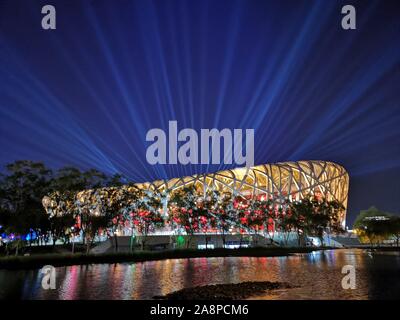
(317, 275)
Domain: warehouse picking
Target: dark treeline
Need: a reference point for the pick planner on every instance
(24, 185)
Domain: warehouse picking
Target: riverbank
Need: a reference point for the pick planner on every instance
(385, 249)
(57, 260)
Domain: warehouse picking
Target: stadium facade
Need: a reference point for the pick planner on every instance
(280, 181)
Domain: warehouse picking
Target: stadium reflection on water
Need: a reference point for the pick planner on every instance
(317, 275)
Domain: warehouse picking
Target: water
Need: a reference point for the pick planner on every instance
(317, 275)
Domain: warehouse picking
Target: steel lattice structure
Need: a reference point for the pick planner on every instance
(279, 181)
(285, 180)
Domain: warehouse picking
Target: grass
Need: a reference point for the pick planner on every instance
(58, 259)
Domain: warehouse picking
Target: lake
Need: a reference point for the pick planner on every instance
(316, 275)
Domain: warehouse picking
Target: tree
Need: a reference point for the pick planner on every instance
(72, 203)
(94, 179)
(120, 203)
(184, 212)
(207, 207)
(261, 216)
(242, 208)
(60, 227)
(224, 214)
(394, 228)
(300, 218)
(284, 222)
(271, 215)
(63, 214)
(115, 181)
(147, 218)
(68, 179)
(372, 225)
(324, 218)
(71, 179)
(21, 193)
(87, 204)
(93, 224)
(314, 216)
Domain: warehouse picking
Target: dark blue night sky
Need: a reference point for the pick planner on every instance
(87, 93)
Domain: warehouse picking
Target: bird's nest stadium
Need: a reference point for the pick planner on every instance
(280, 181)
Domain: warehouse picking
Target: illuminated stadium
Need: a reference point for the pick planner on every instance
(281, 183)
(286, 180)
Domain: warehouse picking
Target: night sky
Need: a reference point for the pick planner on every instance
(86, 93)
